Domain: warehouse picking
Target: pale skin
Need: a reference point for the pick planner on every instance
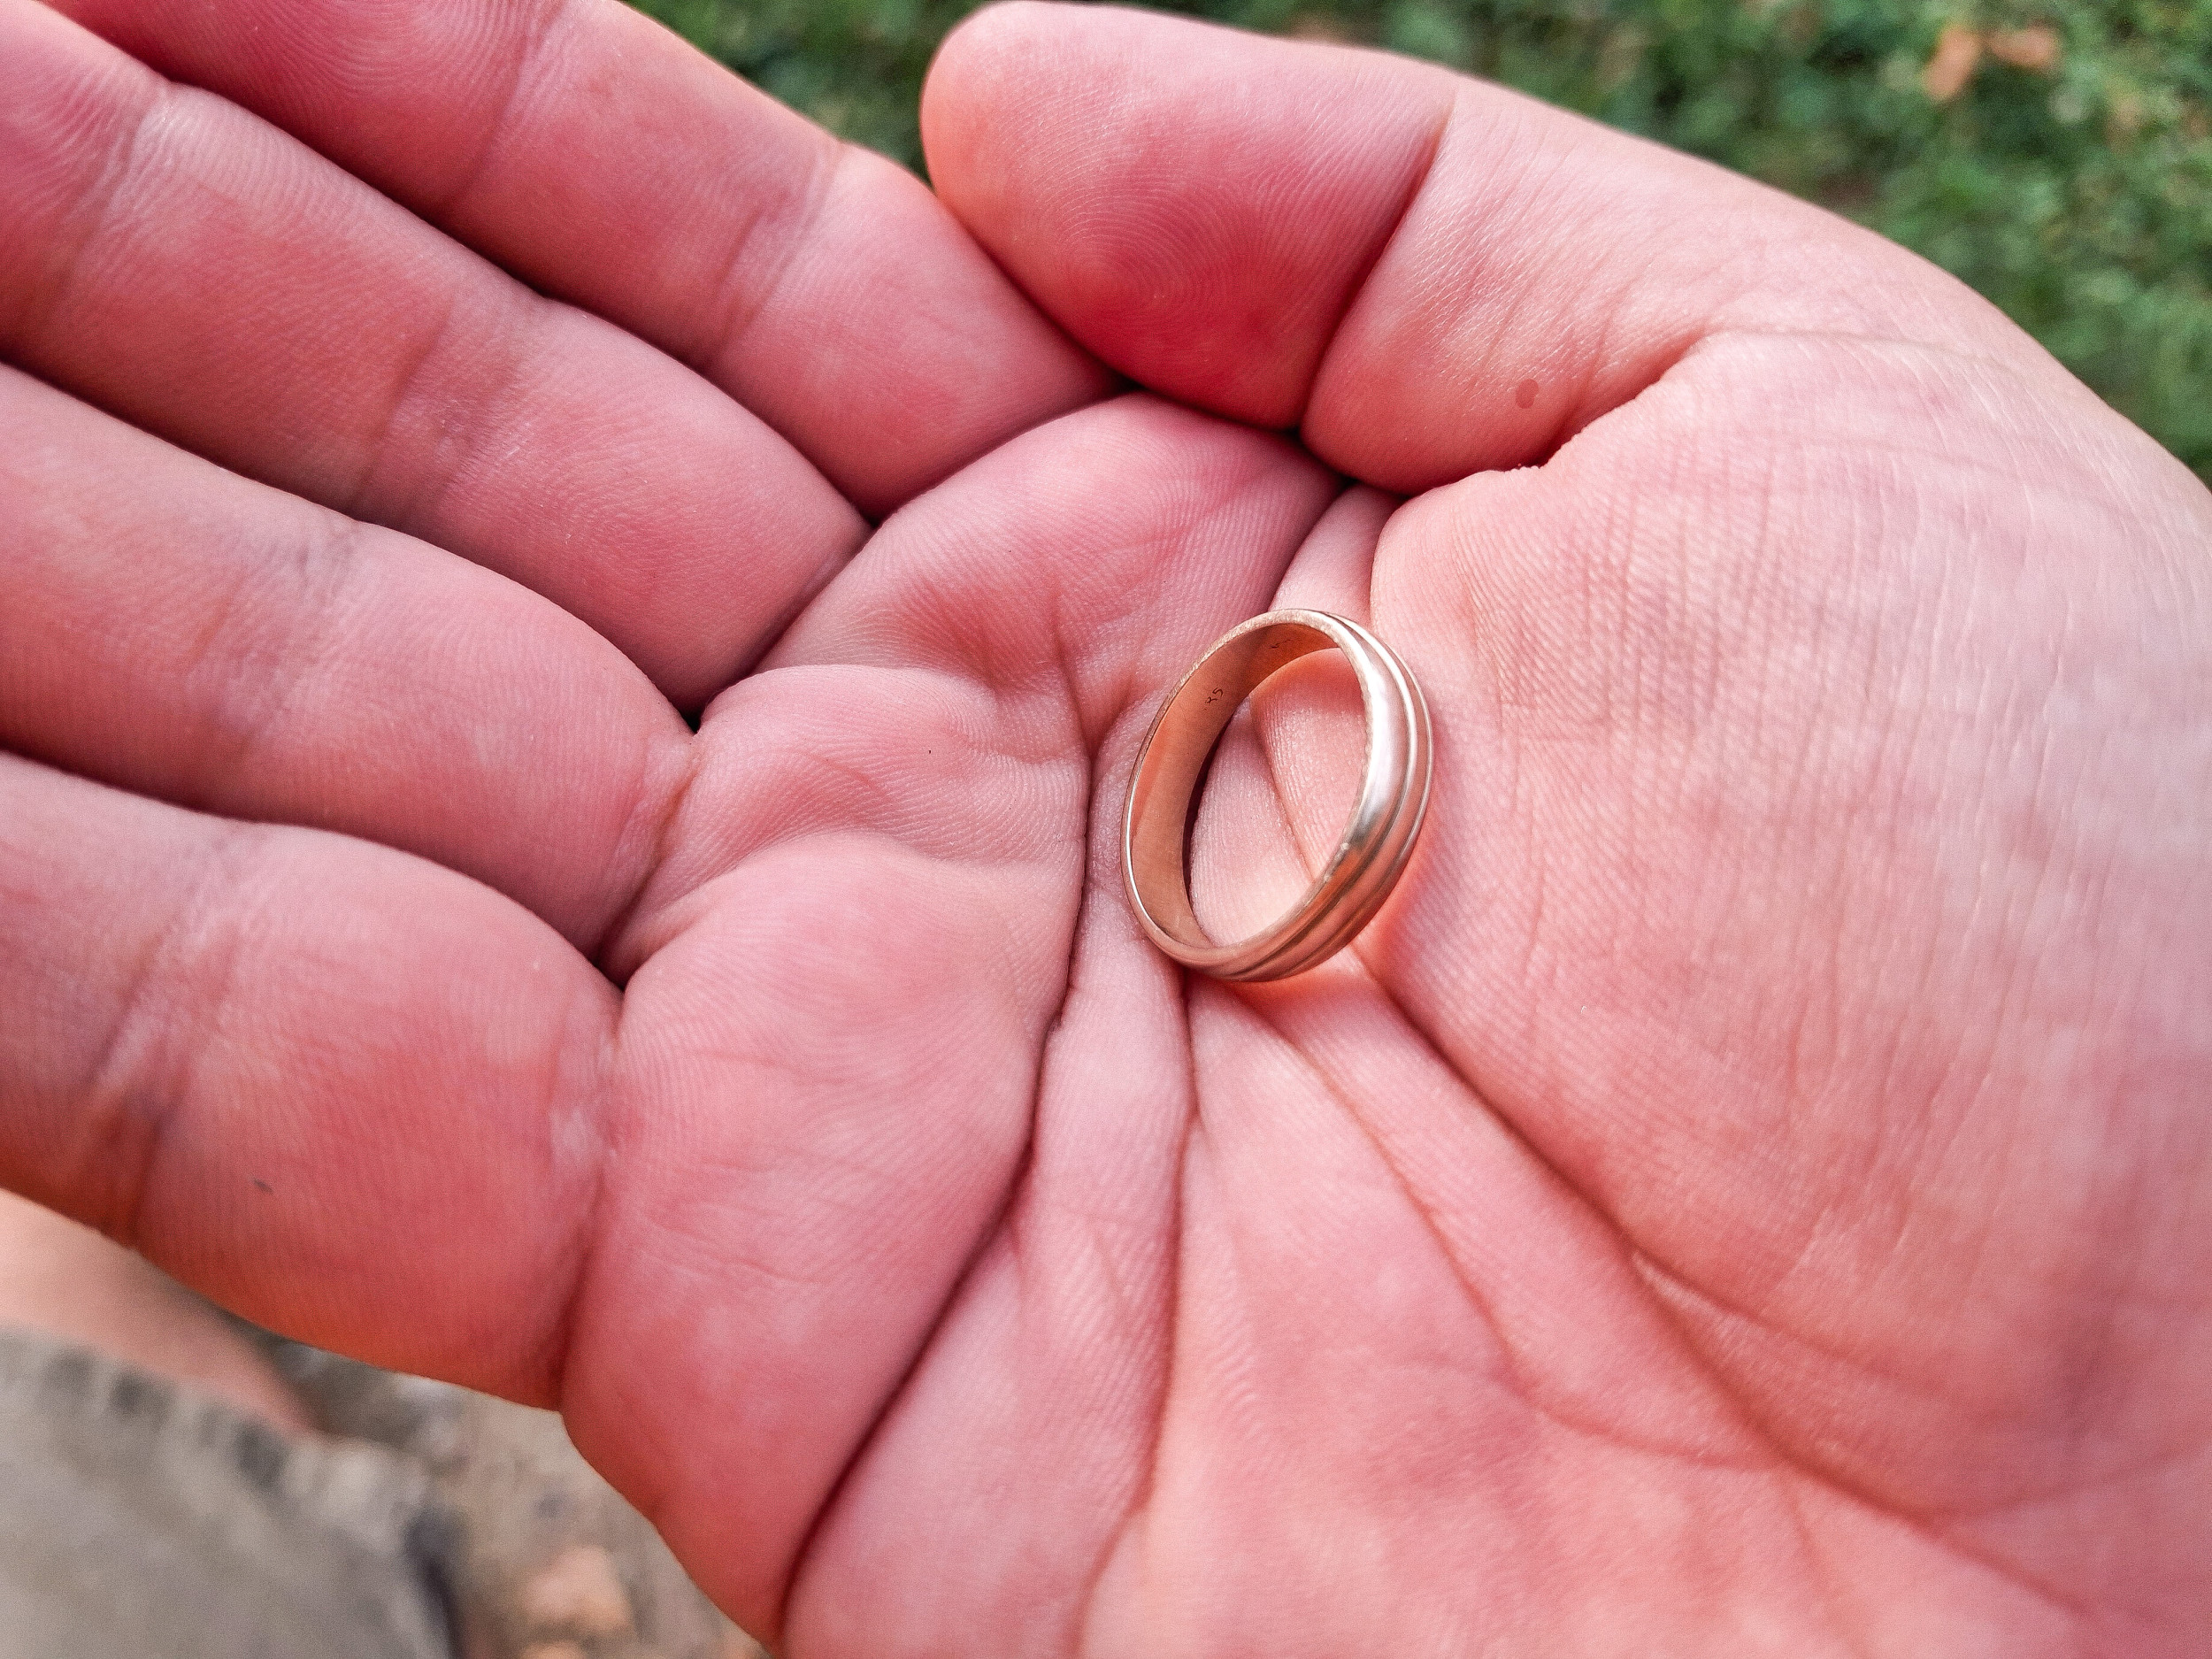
(1750, 1192)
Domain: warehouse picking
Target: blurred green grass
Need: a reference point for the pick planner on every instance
(2067, 175)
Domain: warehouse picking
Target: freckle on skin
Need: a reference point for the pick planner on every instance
(1525, 394)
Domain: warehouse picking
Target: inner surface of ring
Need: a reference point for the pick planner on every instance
(1188, 731)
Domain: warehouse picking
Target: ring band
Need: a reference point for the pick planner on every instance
(1394, 795)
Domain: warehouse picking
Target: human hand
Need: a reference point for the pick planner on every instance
(1748, 1192)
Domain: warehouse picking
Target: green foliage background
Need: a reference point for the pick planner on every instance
(2079, 197)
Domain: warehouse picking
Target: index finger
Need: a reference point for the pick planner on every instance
(604, 162)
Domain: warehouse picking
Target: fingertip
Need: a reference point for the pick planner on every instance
(973, 53)
(1169, 191)
(977, 88)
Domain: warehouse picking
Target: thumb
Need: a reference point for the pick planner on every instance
(1430, 274)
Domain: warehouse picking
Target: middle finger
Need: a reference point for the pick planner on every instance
(177, 261)
(171, 628)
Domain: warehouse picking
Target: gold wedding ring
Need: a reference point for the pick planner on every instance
(1394, 793)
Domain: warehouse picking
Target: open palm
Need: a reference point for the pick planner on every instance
(1750, 1192)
